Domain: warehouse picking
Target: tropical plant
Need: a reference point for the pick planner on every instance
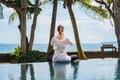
(94, 11)
(53, 22)
(85, 4)
(50, 48)
(32, 56)
(31, 8)
(113, 9)
(16, 52)
(21, 7)
(68, 4)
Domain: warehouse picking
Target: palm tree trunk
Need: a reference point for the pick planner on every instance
(23, 25)
(116, 4)
(33, 25)
(52, 30)
(117, 33)
(23, 31)
(19, 27)
(81, 54)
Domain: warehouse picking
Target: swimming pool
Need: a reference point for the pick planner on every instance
(93, 69)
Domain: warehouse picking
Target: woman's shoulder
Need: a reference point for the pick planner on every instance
(65, 37)
(54, 38)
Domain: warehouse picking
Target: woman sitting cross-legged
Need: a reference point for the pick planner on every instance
(59, 43)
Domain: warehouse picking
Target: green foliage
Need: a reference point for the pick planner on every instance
(31, 56)
(16, 52)
(31, 10)
(87, 1)
(13, 16)
(109, 1)
(31, 7)
(94, 11)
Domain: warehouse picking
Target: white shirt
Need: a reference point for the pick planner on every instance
(60, 49)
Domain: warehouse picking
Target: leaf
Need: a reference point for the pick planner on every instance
(87, 1)
(109, 1)
(13, 16)
(94, 11)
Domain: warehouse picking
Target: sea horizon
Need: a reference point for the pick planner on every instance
(9, 47)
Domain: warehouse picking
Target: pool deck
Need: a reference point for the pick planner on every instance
(5, 57)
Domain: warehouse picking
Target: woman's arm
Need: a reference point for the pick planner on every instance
(53, 41)
(69, 42)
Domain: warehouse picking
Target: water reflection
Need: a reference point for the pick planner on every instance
(59, 71)
(75, 73)
(97, 69)
(118, 70)
(24, 69)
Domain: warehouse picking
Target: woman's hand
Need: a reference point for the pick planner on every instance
(70, 43)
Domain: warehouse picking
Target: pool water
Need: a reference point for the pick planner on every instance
(92, 69)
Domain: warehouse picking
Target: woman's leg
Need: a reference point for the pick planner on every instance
(49, 58)
(74, 57)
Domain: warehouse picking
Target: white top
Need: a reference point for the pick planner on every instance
(60, 49)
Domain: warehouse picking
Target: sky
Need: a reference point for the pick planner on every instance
(90, 30)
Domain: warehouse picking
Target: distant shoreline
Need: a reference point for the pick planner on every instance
(9, 48)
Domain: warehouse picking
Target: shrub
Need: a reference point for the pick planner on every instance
(31, 56)
(16, 52)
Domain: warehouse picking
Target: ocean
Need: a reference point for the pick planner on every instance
(8, 48)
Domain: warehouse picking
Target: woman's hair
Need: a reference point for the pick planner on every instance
(60, 26)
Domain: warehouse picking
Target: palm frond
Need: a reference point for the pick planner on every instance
(94, 11)
(46, 2)
(13, 17)
(86, 1)
(30, 3)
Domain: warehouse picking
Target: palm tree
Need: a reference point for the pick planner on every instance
(85, 4)
(52, 30)
(116, 19)
(113, 8)
(81, 54)
(32, 9)
(23, 24)
(22, 9)
(36, 9)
